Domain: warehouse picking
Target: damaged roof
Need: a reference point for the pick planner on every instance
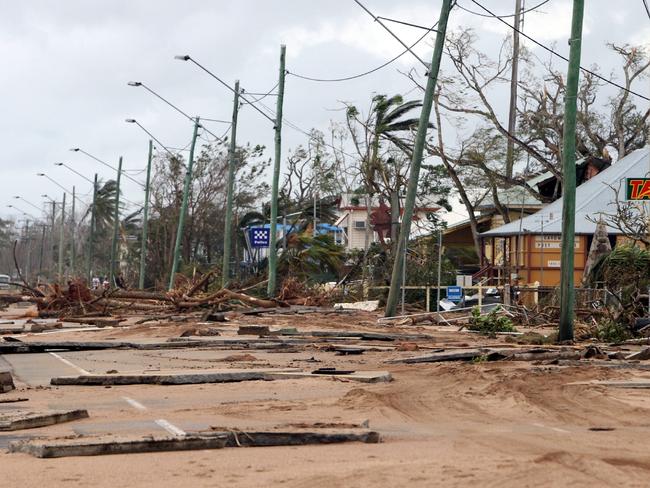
(592, 197)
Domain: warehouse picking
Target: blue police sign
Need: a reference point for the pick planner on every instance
(259, 236)
(455, 293)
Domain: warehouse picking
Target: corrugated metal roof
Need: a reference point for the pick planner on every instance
(516, 196)
(592, 197)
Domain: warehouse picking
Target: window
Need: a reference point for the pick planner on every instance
(360, 224)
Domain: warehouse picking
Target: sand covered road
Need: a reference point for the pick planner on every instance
(505, 424)
(451, 425)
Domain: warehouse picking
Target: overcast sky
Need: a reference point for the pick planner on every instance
(66, 64)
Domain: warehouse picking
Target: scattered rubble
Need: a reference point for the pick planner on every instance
(6, 382)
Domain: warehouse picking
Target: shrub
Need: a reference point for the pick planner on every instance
(491, 322)
(611, 331)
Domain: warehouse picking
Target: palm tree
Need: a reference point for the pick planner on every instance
(104, 206)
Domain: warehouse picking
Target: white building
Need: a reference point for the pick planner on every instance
(353, 219)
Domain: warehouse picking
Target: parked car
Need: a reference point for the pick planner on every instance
(4, 281)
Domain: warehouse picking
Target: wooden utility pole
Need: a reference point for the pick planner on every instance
(418, 150)
(273, 251)
(116, 225)
(232, 166)
(145, 220)
(567, 291)
(514, 79)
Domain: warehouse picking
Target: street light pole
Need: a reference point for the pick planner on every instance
(62, 240)
(72, 233)
(116, 223)
(91, 232)
(28, 257)
(232, 164)
(181, 217)
(52, 238)
(145, 219)
(273, 251)
(40, 259)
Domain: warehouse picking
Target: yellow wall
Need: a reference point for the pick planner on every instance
(540, 259)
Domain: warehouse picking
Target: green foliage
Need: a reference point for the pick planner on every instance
(610, 331)
(483, 358)
(311, 258)
(625, 271)
(491, 322)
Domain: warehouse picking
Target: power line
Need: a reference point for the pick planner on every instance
(192, 119)
(647, 9)
(407, 23)
(365, 73)
(304, 132)
(378, 20)
(264, 95)
(555, 53)
(188, 58)
(216, 120)
(76, 149)
(504, 16)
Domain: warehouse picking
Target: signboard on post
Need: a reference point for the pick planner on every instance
(637, 189)
(259, 237)
(455, 293)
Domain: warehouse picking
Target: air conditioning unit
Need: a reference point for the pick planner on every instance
(360, 224)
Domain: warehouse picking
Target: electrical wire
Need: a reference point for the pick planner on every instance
(503, 16)
(174, 107)
(555, 53)
(270, 92)
(303, 131)
(376, 19)
(365, 73)
(226, 131)
(188, 58)
(215, 120)
(647, 9)
(409, 24)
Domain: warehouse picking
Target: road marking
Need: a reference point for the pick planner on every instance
(171, 428)
(134, 403)
(556, 429)
(72, 365)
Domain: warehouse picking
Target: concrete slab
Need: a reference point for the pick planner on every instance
(103, 446)
(615, 384)
(37, 369)
(33, 420)
(6, 382)
(298, 437)
(5, 440)
(168, 378)
(122, 427)
(361, 376)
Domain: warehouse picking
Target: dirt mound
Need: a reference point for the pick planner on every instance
(233, 358)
